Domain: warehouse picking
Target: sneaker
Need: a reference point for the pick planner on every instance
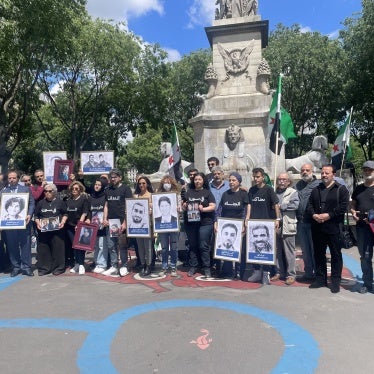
(123, 271)
(335, 287)
(98, 270)
(173, 272)
(256, 276)
(112, 271)
(163, 272)
(289, 281)
(75, 269)
(191, 272)
(81, 270)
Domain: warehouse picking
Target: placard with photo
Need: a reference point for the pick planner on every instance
(137, 218)
(85, 236)
(49, 159)
(14, 207)
(97, 162)
(165, 212)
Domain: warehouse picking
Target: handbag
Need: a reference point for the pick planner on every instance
(347, 238)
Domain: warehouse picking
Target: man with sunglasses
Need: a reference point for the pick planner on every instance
(115, 205)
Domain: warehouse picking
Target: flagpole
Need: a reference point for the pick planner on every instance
(277, 124)
(345, 142)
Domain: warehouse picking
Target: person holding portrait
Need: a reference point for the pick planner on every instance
(51, 244)
(18, 241)
(234, 204)
(168, 240)
(199, 230)
(77, 211)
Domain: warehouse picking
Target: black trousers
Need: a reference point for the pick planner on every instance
(322, 240)
(51, 252)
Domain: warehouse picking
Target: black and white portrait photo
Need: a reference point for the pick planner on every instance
(13, 210)
(165, 212)
(261, 241)
(137, 218)
(228, 239)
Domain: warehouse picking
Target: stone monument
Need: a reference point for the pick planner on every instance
(232, 123)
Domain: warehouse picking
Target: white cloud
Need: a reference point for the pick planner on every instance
(121, 10)
(201, 12)
(173, 54)
(333, 34)
(305, 29)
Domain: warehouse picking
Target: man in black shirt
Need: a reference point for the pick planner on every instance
(362, 209)
(115, 205)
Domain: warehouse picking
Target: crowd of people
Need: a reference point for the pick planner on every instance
(312, 211)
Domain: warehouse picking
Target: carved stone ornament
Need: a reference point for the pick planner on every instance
(263, 74)
(236, 61)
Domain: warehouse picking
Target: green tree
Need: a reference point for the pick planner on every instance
(312, 90)
(358, 42)
(33, 33)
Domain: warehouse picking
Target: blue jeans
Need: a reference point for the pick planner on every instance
(101, 252)
(365, 243)
(169, 245)
(304, 234)
(199, 239)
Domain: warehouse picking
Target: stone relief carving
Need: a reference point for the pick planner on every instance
(236, 8)
(236, 61)
(315, 157)
(233, 150)
(263, 75)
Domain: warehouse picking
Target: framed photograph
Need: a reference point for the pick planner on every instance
(228, 243)
(49, 159)
(97, 218)
(261, 248)
(50, 224)
(114, 227)
(63, 168)
(165, 212)
(97, 162)
(193, 212)
(13, 211)
(137, 218)
(85, 236)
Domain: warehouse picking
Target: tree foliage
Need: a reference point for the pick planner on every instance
(358, 42)
(312, 89)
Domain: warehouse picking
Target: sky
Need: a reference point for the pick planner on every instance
(178, 25)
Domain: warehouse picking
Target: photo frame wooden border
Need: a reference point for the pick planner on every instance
(59, 164)
(78, 233)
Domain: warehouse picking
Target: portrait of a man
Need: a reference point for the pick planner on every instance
(165, 212)
(228, 239)
(97, 162)
(91, 163)
(261, 241)
(137, 217)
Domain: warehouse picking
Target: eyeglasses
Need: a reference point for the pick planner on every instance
(75, 189)
(48, 191)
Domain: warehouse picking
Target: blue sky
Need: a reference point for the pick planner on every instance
(178, 25)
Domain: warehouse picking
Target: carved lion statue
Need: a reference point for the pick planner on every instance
(316, 156)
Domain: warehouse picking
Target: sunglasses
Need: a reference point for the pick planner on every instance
(75, 189)
(48, 191)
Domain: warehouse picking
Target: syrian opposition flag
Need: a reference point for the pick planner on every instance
(280, 121)
(341, 150)
(175, 159)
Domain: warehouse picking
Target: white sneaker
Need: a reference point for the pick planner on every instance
(98, 270)
(81, 270)
(173, 272)
(74, 269)
(123, 271)
(112, 271)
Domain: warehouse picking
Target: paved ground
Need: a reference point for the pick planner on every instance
(89, 324)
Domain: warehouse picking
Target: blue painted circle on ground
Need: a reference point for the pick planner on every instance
(301, 352)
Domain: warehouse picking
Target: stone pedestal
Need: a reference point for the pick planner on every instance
(238, 95)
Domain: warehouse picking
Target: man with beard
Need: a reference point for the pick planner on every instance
(229, 233)
(137, 216)
(327, 205)
(362, 206)
(261, 239)
(304, 231)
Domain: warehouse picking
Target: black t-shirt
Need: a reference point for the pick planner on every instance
(49, 209)
(234, 204)
(364, 197)
(116, 200)
(262, 201)
(76, 208)
(204, 197)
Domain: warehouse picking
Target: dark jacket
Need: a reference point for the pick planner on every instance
(336, 205)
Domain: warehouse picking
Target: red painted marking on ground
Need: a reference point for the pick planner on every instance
(203, 341)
